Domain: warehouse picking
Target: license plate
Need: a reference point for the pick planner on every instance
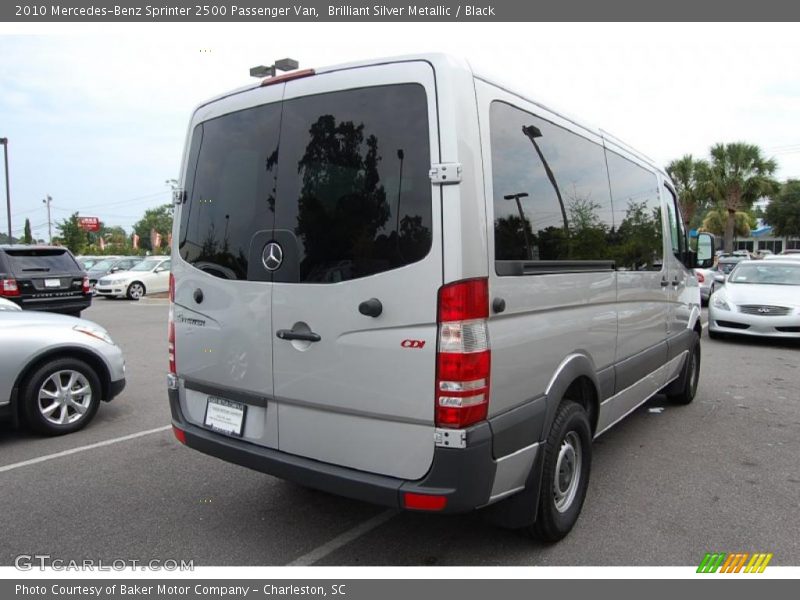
(51, 283)
(225, 416)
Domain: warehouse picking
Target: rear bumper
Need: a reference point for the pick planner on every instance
(68, 304)
(464, 476)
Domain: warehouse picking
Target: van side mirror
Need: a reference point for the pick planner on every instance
(705, 250)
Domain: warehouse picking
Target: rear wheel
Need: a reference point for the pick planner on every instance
(565, 477)
(61, 396)
(135, 291)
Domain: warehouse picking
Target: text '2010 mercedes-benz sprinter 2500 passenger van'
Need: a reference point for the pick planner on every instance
(400, 282)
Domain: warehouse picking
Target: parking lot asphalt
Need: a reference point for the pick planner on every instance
(666, 485)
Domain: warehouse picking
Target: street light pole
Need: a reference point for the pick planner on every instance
(523, 220)
(47, 201)
(4, 142)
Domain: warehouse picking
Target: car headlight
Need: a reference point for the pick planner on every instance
(718, 301)
(95, 333)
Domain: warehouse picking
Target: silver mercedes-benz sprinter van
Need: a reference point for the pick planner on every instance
(401, 282)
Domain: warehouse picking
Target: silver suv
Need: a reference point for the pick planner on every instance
(434, 297)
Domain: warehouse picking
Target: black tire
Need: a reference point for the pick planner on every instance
(556, 515)
(43, 381)
(686, 385)
(135, 291)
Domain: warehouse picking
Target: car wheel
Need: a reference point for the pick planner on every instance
(690, 376)
(135, 291)
(565, 475)
(61, 396)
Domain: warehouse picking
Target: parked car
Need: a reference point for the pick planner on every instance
(759, 298)
(86, 262)
(724, 266)
(790, 256)
(410, 323)
(43, 278)
(55, 370)
(705, 279)
(111, 265)
(149, 276)
(8, 305)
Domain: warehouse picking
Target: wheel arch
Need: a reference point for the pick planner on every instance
(575, 379)
(87, 356)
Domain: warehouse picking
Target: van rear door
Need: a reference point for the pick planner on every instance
(222, 310)
(357, 231)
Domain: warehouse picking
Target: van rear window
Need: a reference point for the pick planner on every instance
(339, 180)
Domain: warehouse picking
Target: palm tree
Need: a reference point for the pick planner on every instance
(737, 176)
(716, 219)
(687, 173)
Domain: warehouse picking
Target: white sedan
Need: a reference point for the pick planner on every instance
(760, 298)
(148, 277)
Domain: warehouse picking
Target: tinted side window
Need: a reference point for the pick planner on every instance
(638, 239)
(550, 187)
(354, 196)
(231, 193)
(676, 229)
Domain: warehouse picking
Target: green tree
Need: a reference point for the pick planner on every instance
(716, 219)
(783, 212)
(688, 176)
(160, 219)
(27, 238)
(71, 234)
(738, 174)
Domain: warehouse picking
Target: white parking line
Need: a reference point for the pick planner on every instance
(47, 457)
(348, 536)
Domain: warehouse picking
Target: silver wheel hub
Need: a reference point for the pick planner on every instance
(64, 397)
(568, 472)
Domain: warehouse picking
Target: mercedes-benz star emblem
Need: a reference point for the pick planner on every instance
(272, 257)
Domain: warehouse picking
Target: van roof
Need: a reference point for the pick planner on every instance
(447, 61)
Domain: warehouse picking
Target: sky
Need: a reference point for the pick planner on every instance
(96, 115)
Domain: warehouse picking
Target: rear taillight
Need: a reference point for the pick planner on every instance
(463, 358)
(700, 277)
(171, 325)
(8, 287)
(87, 287)
(171, 343)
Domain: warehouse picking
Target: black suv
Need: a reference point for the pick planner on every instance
(43, 278)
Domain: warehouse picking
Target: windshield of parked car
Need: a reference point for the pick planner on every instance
(766, 273)
(145, 265)
(103, 265)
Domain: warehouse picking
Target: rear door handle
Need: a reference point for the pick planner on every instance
(664, 283)
(305, 336)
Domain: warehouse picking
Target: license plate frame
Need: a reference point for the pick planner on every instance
(52, 283)
(225, 416)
